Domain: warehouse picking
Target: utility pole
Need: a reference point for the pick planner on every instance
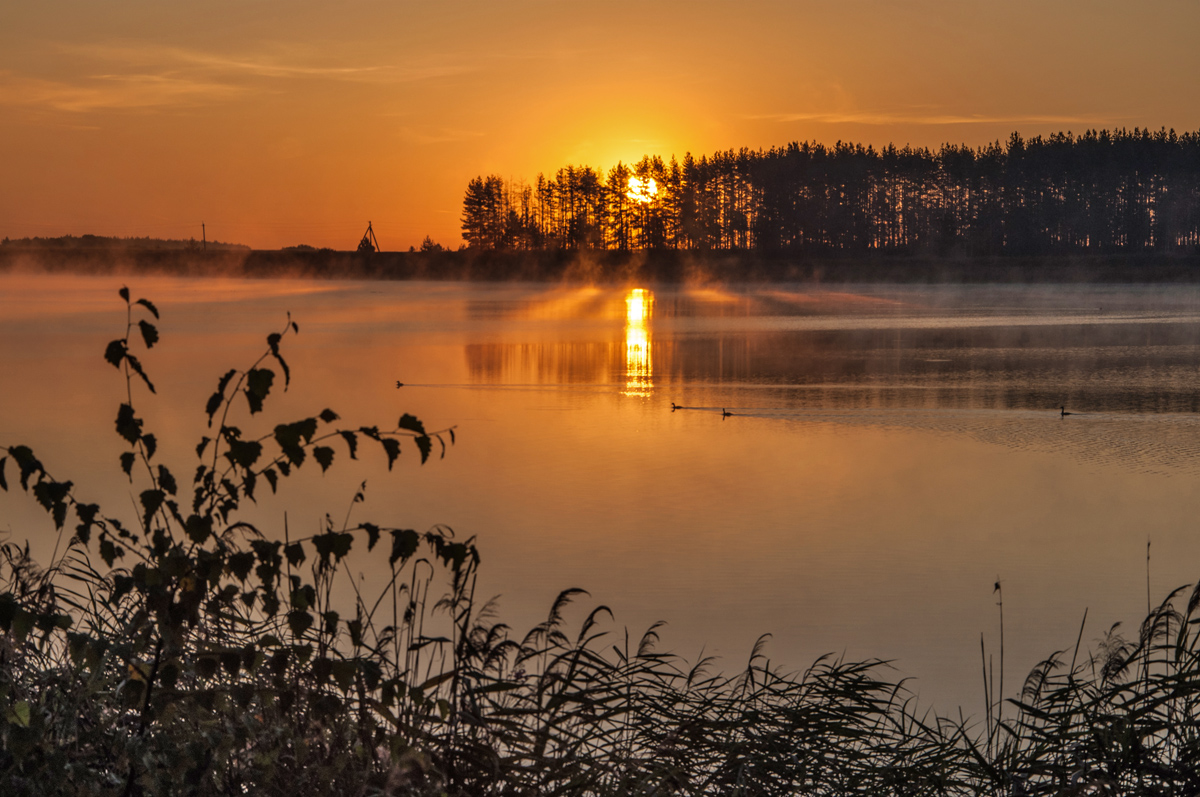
(203, 237)
(369, 244)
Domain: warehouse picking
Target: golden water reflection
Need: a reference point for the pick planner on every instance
(639, 305)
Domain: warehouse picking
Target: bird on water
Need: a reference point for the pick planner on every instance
(1064, 412)
(675, 406)
(725, 413)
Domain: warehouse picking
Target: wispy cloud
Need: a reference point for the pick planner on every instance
(280, 62)
(921, 118)
(109, 92)
(154, 76)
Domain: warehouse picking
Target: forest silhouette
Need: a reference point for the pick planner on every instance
(1100, 192)
(1104, 206)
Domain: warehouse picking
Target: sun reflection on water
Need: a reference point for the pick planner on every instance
(638, 306)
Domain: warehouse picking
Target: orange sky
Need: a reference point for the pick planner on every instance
(280, 123)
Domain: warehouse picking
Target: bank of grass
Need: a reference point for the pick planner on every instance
(188, 652)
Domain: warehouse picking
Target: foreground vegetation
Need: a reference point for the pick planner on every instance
(190, 652)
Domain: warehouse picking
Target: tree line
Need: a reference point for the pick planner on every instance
(1099, 192)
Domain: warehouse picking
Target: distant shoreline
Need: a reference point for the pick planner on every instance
(607, 266)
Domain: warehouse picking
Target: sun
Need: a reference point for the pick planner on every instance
(641, 190)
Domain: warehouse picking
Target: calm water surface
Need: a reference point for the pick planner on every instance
(891, 452)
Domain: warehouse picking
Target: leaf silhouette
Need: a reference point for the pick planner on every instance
(149, 306)
(137, 368)
(166, 480)
(149, 333)
(217, 398)
(404, 545)
(372, 534)
(258, 385)
(151, 501)
(87, 518)
(411, 423)
(128, 425)
(273, 343)
(115, 352)
(392, 447)
(323, 455)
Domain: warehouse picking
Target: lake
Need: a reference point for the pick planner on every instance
(889, 452)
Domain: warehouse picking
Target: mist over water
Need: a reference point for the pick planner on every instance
(891, 450)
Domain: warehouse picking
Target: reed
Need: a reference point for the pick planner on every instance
(188, 651)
